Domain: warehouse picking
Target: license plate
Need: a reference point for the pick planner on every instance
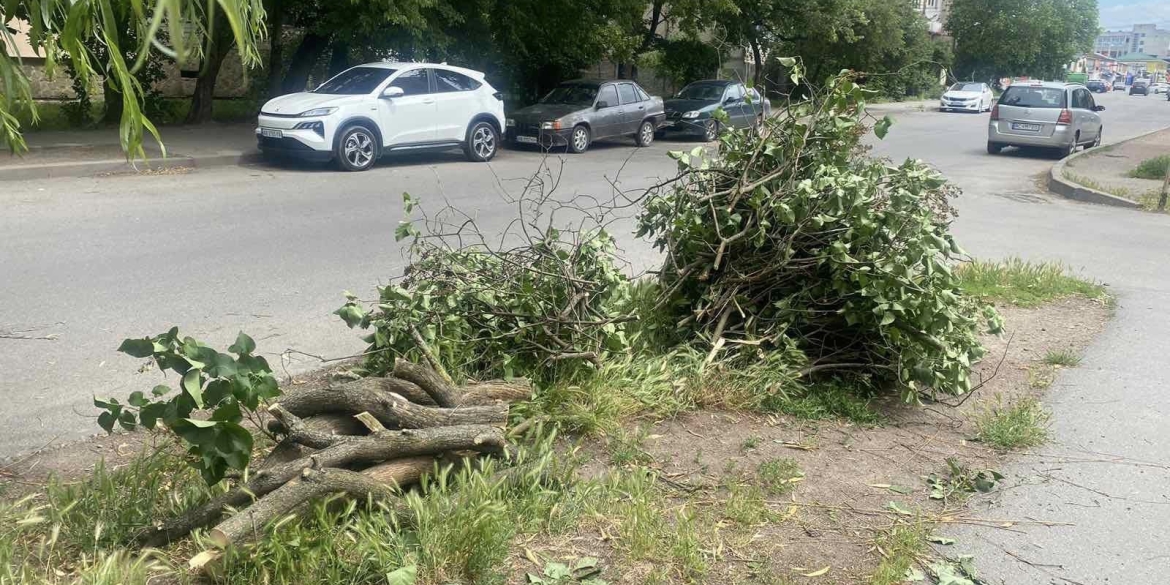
(1026, 127)
(271, 133)
(526, 139)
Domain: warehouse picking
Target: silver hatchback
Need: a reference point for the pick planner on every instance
(1054, 115)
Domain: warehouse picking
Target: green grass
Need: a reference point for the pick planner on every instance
(823, 401)
(745, 504)
(1062, 357)
(1119, 191)
(1015, 426)
(1024, 284)
(1154, 168)
(779, 476)
(900, 548)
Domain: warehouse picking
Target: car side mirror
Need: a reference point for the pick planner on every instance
(1098, 108)
(602, 104)
(393, 92)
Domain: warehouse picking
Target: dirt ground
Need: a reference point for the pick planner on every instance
(851, 473)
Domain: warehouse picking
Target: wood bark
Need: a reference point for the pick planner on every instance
(347, 451)
(219, 44)
(303, 60)
(430, 381)
(390, 408)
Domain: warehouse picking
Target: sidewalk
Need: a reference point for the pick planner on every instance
(82, 153)
(1107, 169)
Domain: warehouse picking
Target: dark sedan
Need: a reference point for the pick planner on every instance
(691, 111)
(578, 112)
(1097, 86)
(1140, 87)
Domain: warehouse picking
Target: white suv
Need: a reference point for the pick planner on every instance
(371, 109)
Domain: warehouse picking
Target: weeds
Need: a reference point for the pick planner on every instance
(626, 448)
(900, 548)
(1062, 357)
(1023, 283)
(1122, 192)
(962, 481)
(1154, 168)
(1041, 376)
(1023, 424)
(745, 504)
(779, 476)
(823, 401)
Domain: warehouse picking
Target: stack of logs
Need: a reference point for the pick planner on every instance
(366, 438)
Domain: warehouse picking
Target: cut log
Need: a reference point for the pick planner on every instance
(494, 391)
(289, 450)
(249, 524)
(390, 408)
(349, 451)
(429, 380)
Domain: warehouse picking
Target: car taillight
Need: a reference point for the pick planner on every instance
(1065, 117)
(995, 112)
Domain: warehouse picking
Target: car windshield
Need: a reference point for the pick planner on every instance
(356, 81)
(702, 91)
(967, 87)
(1033, 97)
(572, 94)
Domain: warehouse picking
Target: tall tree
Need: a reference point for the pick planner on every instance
(67, 25)
(998, 38)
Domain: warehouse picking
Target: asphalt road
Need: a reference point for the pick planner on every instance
(269, 250)
(1107, 469)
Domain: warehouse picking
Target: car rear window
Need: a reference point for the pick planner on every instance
(1033, 97)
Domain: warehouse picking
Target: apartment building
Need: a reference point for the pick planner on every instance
(1146, 39)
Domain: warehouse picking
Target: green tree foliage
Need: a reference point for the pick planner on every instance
(67, 26)
(225, 387)
(793, 238)
(999, 38)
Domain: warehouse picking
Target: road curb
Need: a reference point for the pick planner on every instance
(1073, 190)
(92, 168)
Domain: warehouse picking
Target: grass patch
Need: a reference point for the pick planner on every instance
(1019, 425)
(1024, 284)
(1153, 169)
(779, 476)
(171, 111)
(823, 401)
(1062, 357)
(900, 548)
(1041, 377)
(745, 504)
(1122, 192)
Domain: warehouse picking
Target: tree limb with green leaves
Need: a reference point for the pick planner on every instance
(58, 27)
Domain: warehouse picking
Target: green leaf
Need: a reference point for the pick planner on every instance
(899, 509)
(898, 489)
(940, 540)
(137, 399)
(351, 313)
(127, 420)
(139, 348)
(160, 390)
(883, 127)
(402, 576)
(193, 386)
(243, 345)
(200, 424)
(106, 421)
(404, 230)
(787, 61)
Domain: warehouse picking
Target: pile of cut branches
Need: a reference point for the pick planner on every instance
(367, 439)
(793, 237)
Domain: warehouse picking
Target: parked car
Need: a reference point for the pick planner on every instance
(369, 110)
(576, 113)
(690, 111)
(1097, 86)
(1140, 87)
(1160, 87)
(967, 97)
(1119, 84)
(1045, 114)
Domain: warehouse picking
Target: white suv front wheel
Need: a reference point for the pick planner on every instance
(357, 149)
(482, 142)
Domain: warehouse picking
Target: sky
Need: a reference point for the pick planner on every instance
(1119, 14)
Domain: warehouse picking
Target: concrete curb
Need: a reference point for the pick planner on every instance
(921, 105)
(91, 168)
(1072, 190)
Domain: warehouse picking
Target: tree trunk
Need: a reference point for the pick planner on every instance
(757, 55)
(338, 57)
(303, 60)
(112, 114)
(219, 44)
(275, 10)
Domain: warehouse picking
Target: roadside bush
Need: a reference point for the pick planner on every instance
(1154, 168)
(793, 238)
(550, 303)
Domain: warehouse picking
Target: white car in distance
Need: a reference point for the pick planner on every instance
(967, 97)
(369, 110)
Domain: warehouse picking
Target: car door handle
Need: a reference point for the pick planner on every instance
(429, 101)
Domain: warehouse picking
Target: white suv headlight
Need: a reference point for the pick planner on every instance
(691, 115)
(510, 123)
(317, 112)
